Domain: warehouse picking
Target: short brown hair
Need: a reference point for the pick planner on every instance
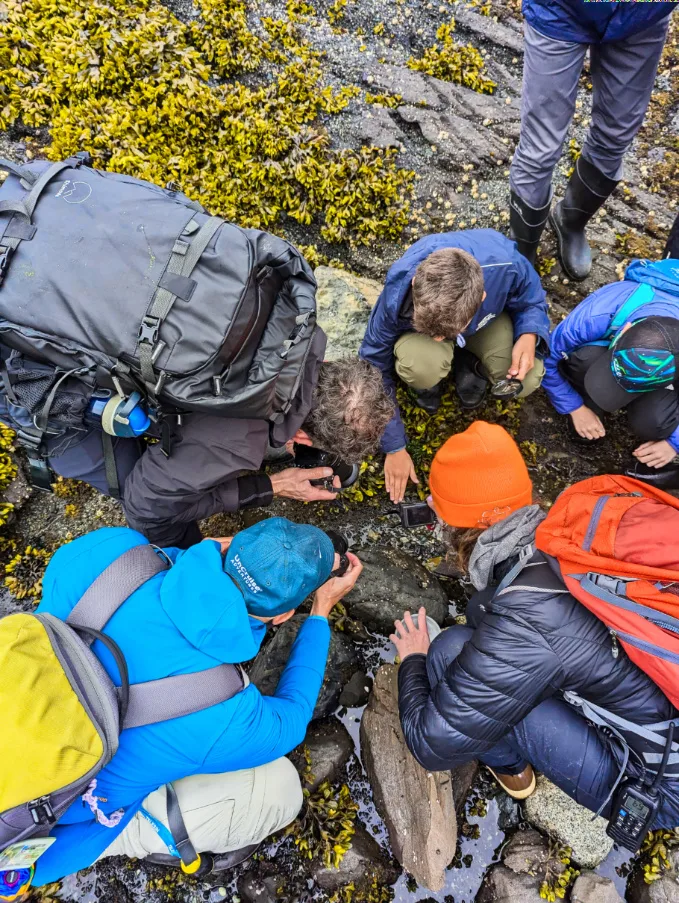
(447, 293)
(350, 409)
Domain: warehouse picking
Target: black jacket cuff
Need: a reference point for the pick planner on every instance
(254, 491)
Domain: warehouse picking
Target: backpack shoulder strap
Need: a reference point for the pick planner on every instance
(116, 584)
(643, 294)
(182, 694)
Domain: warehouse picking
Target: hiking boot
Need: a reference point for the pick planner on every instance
(224, 861)
(429, 399)
(470, 384)
(666, 477)
(526, 225)
(210, 862)
(587, 191)
(518, 786)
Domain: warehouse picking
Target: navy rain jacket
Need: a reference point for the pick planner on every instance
(595, 22)
(511, 284)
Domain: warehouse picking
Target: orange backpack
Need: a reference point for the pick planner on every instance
(617, 544)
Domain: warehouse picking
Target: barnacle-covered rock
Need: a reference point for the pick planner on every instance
(344, 302)
(326, 750)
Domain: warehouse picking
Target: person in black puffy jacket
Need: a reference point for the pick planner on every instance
(494, 690)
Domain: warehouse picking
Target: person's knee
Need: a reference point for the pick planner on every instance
(283, 780)
(422, 362)
(445, 649)
(533, 379)
(654, 418)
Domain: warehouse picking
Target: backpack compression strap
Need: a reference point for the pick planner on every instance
(168, 697)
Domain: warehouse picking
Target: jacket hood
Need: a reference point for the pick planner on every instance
(207, 608)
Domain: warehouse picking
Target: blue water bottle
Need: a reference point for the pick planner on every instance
(118, 416)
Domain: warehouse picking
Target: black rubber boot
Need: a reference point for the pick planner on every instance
(470, 385)
(526, 225)
(429, 399)
(666, 477)
(587, 191)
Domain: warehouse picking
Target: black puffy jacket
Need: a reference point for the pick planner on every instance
(526, 647)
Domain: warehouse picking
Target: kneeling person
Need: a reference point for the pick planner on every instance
(618, 350)
(212, 606)
(466, 300)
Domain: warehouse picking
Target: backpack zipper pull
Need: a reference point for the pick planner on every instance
(615, 649)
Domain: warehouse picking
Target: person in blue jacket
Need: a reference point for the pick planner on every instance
(466, 300)
(625, 41)
(619, 349)
(212, 606)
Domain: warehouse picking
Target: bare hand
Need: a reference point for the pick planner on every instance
(410, 639)
(587, 424)
(655, 454)
(335, 589)
(398, 468)
(523, 356)
(295, 483)
(224, 541)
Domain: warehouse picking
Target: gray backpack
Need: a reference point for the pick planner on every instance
(107, 281)
(62, 714)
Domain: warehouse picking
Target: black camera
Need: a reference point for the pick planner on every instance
(308, 457)
(416, 514)
(341, 545)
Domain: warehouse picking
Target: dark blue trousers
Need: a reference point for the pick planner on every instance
(554, 738)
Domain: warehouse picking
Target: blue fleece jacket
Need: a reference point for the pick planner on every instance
(511, 284)
(596, 21)
(589, 322)
(187, 619)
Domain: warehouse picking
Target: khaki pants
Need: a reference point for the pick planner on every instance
(222, 812)
(422, 362)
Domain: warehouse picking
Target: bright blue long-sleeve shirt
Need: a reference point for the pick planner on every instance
(183, 620)
(511, 284)
(589, 322)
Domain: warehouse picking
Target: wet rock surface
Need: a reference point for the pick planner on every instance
(502, 885)
(267, 668)
(664, 890)
(554, 812)
(329, 747)
(364, 861)
(344, 302)
(357, 691)
(591, 888)
(417, 806)
(393, 582)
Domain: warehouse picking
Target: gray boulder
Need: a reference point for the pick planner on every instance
(527, 853)
(462, 780)
(591, 888)
(344, 303)
(364, 860)
(391, 583)
(555, 813)
(416, 805)
(271, 661)
(502, 885)
(664, 890)
(330, 748)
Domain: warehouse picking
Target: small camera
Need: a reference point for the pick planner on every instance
(416, 514)
(341, 545)
(308, 457)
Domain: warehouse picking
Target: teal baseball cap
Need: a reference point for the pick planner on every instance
(277, 563)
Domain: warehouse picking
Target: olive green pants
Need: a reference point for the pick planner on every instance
(422, 362)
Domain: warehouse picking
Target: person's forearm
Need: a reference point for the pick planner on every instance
(302, 677)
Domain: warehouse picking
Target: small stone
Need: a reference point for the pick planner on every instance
(591, 888)
(508, 100)
(363, 859)
(357, 691)
(329, 746)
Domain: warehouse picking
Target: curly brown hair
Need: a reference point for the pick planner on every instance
(447, 293)
(350, 409)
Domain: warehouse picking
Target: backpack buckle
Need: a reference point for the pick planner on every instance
(41, 811)
(148, 331)
(5, 257)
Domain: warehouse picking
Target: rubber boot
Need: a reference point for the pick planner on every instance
(470, 385)
(587, 191)
(429, 399)
(666, 477)
(526, 225)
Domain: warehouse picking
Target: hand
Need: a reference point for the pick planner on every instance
(655, 454)
(412, 640)
(335, 589)
(587, 424)
(398, 467)
(295, 483)
(523, 356)
(300, 438)
(224, 541)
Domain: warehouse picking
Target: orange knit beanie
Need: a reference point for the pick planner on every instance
(479, 477)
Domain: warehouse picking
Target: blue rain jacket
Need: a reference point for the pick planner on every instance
(187, 619)
(511, 284)
(595, 22)
(589, 322)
